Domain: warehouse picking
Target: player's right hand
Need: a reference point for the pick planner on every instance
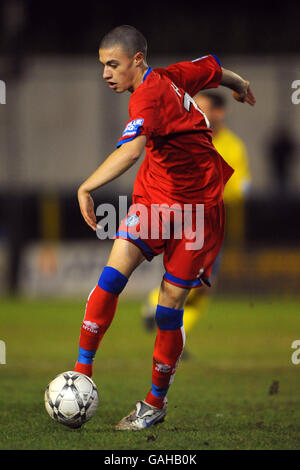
(87, 210)
(246, 96)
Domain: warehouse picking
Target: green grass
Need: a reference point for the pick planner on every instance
(220, 397)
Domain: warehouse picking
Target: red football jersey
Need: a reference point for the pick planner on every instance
(181, 164)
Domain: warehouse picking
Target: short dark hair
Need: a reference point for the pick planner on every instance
(217, 100)
(131, 40)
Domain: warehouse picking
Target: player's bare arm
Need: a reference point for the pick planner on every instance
(115, 165)
(241, 90)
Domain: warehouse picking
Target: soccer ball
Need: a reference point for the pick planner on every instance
(71, 398)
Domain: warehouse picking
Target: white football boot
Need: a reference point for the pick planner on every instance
(142, 417)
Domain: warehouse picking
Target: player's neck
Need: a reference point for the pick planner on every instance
(139, 77)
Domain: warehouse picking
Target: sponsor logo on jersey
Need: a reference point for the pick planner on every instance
(90, 326)
(132, 220)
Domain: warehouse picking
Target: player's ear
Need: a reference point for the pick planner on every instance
(138, 58)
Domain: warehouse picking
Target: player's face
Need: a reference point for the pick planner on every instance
(119, 69)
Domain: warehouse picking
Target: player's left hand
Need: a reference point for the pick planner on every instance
(87, 210)
(245, 96)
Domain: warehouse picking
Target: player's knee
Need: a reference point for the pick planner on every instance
(112, 280)
(172, 296)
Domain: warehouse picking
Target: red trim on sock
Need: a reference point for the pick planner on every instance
(154, 401)
(86, 369)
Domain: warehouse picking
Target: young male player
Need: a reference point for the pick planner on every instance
(181, 166)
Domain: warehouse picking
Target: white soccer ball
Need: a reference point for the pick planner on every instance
(71, 398)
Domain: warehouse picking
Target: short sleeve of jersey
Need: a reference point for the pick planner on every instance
(144, 117)
(193, 76)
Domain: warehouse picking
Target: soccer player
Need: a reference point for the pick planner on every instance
(181, 166)
(233, 150)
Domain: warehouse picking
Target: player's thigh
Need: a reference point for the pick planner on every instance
(125, 257)
(189, 263)
(172, 296)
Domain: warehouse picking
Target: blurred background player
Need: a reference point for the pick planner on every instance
(234, 151)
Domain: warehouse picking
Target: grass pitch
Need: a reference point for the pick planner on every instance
(220, 398)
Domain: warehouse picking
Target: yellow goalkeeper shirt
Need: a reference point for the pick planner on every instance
(234, 152)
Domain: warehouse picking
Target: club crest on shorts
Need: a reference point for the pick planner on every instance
(132, 220)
